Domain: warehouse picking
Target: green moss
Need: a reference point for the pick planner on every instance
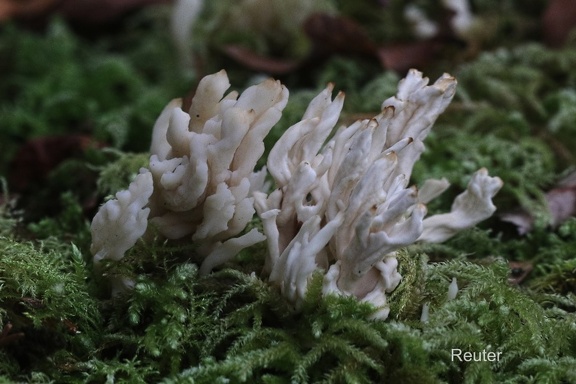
(513, 114)
(68, 223)
(44, 295)
(331, 340)
(490, 314)
(118, 174)
(526, 165)
(7, 221)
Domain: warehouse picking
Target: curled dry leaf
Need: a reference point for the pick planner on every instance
(102, 11)
(21, 8)
(254, 61)
(36, 158)
(519, 270)
(329, 34)
(7, 337)
(561, 203)
(86, 11)
(402, 57)
(333, 33)
(558, 21)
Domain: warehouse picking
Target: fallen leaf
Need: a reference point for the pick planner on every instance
(521, 218)
(402, 57)
(558, 21)
(561, 204)
(7, 337)
(81, 11)
(337, 34)
(329, 34)
(10, 9)
(519, 270)
(257, 62)
(36, 158)
(102, 11)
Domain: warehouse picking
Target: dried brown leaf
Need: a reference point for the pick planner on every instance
(521, 218)
(10, 9)
(558, 21)
(402, 57)
(519, 270)
(36, 158)
(256, 62)
(561, 204)
(337, 34)
(86, 11)
(7, 337)
(102, 11)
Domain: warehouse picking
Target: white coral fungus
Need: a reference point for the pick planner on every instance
(342, 207)
(345, 207)
(122, 221)
(201, 175)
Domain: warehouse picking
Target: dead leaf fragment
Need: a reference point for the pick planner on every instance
(7, 337)
(402, 57)
(10, 9)
(102, 11)
(519, 270)
(337, 34)
(558, 21)
(257, 62)
(561, 203)
(36, 158)
(84, 11)
(521, 218)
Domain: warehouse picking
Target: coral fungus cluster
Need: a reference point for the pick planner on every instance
(341, 206)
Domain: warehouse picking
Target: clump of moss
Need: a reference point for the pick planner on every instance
(489, 314)
(45, 298)
(116, 175)
(331, 340)
(532, 85)
(168, 317)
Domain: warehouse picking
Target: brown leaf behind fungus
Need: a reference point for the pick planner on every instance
(558, 21)
(402, 57)
(561, 203)
(519, 270)
(337, 34)
(36, 158)
(7, 336)
(102, 11)
(10, 9)
(329, 34)
(333, 34)
(256, 62)
(82, 11)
